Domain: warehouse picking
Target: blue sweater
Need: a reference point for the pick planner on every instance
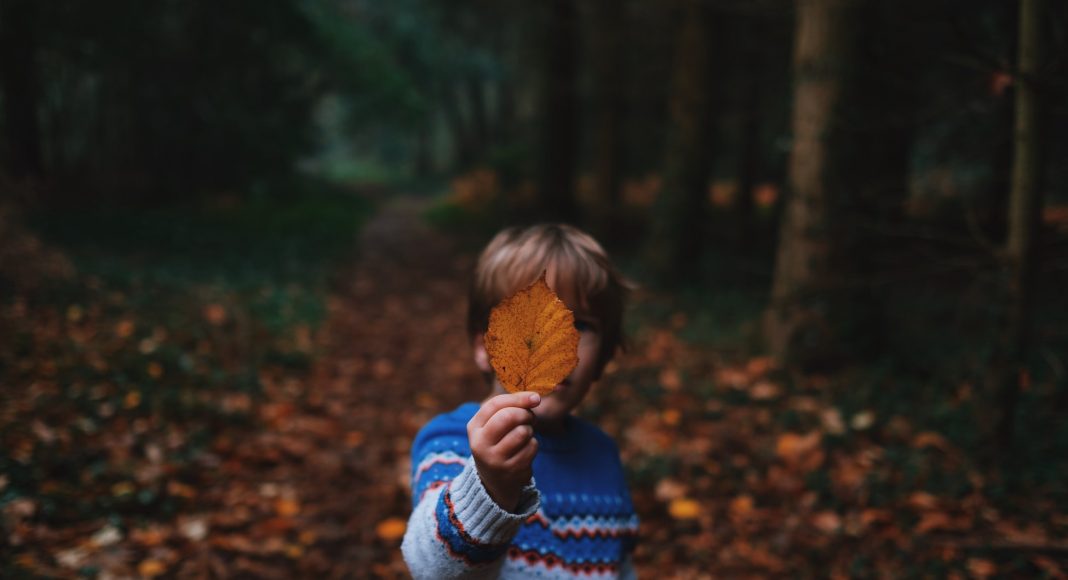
(576, 521)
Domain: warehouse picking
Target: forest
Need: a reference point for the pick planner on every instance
(236, 240)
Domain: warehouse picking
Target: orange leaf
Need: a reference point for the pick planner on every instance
(151, 568)
(287, 507)
(391, 529)
(532, 341)
(684, 509)
(741, 507)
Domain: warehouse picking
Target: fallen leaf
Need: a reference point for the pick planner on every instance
(832, 421)
(827, 522)
(106, 536)
(922, 501)
(862, 421)
(668, 489)
(932, 521)
(532, 341)
(671, 417)
(122, 488)
(287, 507)
(294, 551)
(151, 568)
(764, 391)
(391, 529)
(215, 314)
(195, 529)
(981, 567)
(684, 509)
(802, 451)
(741, 507)
(180, 489)
(759, 366)
(930, 439)
(1049, 566)
(669, 379)
(124, 328)
(75, 313)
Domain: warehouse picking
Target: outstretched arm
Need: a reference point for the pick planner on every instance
(468, 508)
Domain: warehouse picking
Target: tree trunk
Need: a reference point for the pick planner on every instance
(1025, 206)
(560, 139)
(677, 233)
(748, 163)
(798, 321)
(18, 67)
(611, 108)
(461, 135)
(480, 133)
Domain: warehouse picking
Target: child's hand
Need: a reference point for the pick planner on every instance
(502, 442)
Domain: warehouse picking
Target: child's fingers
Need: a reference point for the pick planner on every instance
(525, 400)
(513, 441)
(503, 422)
(524, 457)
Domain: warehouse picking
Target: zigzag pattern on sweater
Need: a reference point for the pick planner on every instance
(526, 559)
(436, 468)
(457, 541)
(587, 526)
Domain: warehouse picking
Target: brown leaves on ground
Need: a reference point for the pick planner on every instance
(735, 472)
(532, 341)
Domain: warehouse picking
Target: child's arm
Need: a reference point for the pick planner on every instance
(471, 507)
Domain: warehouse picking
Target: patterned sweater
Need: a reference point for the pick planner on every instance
(576, 522)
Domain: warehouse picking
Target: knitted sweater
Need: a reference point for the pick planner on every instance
(577, 522)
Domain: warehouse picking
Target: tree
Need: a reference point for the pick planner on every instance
(611, 110)
(19, 22)
(1025, 206)
(559, 144)
(800, 320)
(677, 231)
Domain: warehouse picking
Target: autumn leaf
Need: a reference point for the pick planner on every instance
(532, 341)
(684, 509)
(287, 507)
(151, 568)
(391, 529)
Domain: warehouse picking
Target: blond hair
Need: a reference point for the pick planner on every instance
(575, 266)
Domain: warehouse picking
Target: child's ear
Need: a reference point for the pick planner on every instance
(478, 346)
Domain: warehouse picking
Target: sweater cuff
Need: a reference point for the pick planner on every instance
(481, 517)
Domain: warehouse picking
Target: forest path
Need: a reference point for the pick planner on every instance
(333, 464)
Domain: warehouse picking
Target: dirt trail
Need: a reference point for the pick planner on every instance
(392, 354)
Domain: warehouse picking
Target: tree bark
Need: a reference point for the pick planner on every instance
(1025, 206)
(611, 109)
(677, 234)
(461, 134)
(798, 325)
(480, 133)
(560, 90)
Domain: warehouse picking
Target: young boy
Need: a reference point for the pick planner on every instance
(517, 487)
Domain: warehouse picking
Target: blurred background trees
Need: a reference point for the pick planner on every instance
(871, 189)
(822, 148)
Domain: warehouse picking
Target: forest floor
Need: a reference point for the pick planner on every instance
(737, 469)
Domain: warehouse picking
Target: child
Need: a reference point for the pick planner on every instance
(517, 487)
